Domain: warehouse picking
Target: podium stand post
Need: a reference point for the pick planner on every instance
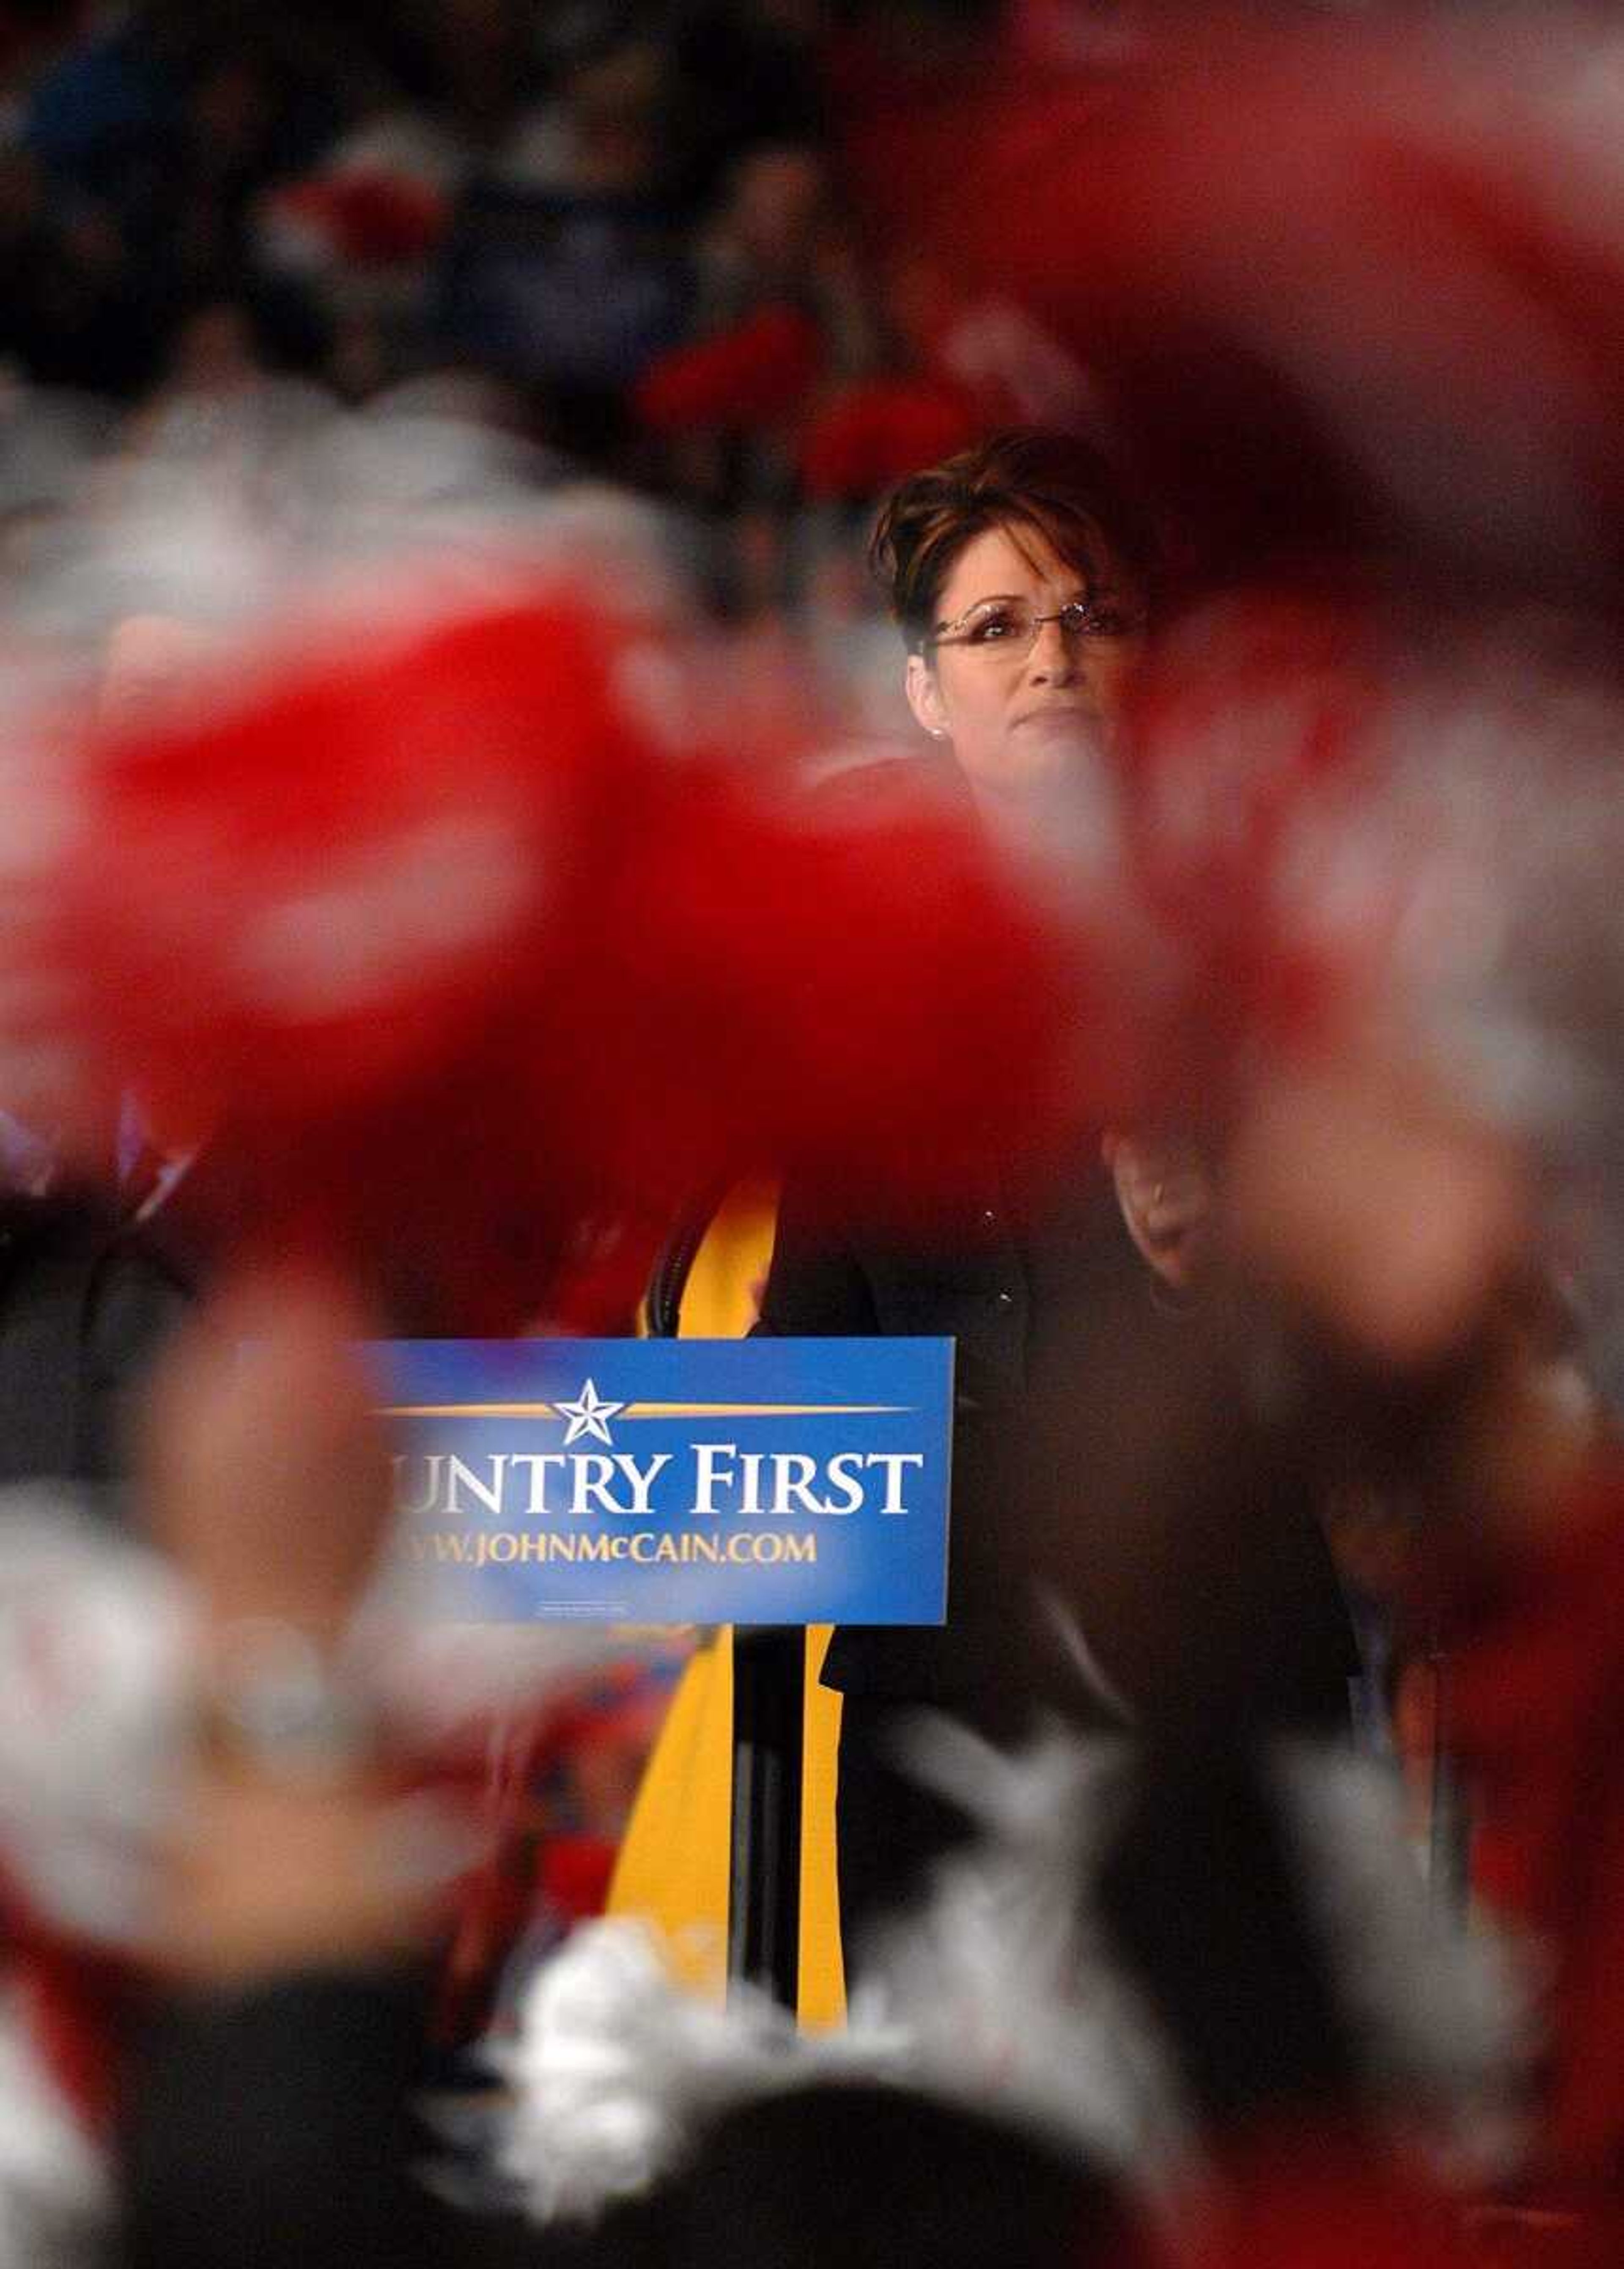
(764, 1885)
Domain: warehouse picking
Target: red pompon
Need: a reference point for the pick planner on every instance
(1300, 2197)
(576, 1871)
(1536, 1697)
(470, 971)
(807, 996)
(1342, 287)
(875, 433)
(370, 220)
(1248, 749)
(755, 374)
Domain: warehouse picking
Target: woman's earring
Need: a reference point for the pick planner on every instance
(939, 732)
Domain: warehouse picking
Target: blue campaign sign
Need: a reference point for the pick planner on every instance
(767, 1481)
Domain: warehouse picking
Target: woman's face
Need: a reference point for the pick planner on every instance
(1018, 715)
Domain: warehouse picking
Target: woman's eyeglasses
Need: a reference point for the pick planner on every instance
(1009, 627)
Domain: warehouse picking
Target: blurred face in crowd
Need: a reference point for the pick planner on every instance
(776, 204)
(1165, 1186)
(1028, 658)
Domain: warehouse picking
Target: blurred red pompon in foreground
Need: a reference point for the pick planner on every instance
(468, 961)
(1339, 288)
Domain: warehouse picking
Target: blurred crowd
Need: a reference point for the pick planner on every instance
(444, 889)
(624, 232)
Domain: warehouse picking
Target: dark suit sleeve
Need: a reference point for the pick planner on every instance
(816, 1288)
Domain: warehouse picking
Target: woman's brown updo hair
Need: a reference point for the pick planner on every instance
(1027, 477)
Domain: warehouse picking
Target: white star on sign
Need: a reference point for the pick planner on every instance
(586, 1415)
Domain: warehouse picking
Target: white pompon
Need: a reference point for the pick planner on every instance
(1005, 1985)
(1005, 1992)
(1009, 1964)
(94, 1634)
(995, 1995)
(616, 2069)
(1438, 2011)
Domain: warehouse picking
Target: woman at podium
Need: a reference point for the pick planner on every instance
(1023, 580)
